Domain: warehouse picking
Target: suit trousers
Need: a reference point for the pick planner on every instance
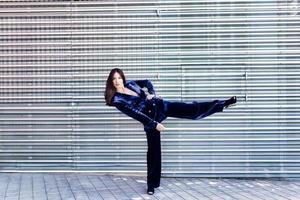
(161, 109)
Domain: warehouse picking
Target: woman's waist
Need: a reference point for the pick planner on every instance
(154, 107)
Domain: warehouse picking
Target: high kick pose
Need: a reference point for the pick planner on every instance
(150, 110)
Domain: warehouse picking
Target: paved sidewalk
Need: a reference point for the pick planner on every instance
(78, 186)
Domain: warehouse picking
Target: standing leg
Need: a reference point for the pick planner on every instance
(195, 110)
(153, 158)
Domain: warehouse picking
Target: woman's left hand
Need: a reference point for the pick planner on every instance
(160, 127)
(150, 96)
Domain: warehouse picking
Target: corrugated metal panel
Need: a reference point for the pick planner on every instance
(56, 55)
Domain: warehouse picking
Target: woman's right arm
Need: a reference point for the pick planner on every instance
(137, 115)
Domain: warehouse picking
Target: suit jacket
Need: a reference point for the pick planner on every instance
(148, 112)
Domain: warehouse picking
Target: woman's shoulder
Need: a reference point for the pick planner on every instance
(130, 82)
(137, 82)
(117, 98)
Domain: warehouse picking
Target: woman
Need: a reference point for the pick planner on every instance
(150, 110)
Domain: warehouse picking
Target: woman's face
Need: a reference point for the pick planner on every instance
(118, 81)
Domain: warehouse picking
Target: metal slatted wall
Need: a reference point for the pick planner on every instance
(56, 55)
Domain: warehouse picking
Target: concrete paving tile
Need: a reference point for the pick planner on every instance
(75, 186)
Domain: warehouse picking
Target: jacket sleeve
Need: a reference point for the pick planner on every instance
(137, 115)
(147, 84)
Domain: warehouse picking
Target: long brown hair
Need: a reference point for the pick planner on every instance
(110, 89)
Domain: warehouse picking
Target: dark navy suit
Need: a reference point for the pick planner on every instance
(151, 112)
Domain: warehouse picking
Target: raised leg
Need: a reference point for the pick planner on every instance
(195, 110)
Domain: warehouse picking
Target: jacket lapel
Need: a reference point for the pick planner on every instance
(133, 86)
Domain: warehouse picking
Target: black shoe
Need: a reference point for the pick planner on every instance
(230, 102)
(150, 190)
